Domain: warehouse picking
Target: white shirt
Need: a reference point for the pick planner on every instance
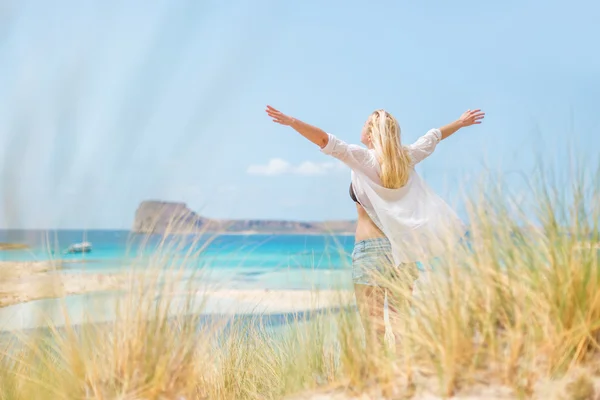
(418, 223)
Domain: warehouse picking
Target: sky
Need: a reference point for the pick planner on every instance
(104, 104)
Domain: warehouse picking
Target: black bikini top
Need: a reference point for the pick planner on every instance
(353, 195)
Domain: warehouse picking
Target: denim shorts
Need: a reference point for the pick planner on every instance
(372, 264)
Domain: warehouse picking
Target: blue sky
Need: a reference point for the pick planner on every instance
(106, 103)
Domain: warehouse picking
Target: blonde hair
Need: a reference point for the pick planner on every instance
(384, 132)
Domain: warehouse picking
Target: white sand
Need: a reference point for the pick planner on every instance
(22, 282)
(33, 294)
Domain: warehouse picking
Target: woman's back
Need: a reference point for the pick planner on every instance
(412, 217)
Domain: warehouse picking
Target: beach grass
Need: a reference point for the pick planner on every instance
(512, 313)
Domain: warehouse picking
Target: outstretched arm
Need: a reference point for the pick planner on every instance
(469, 118)
(356, 157)
(426, 144)
(312, 133)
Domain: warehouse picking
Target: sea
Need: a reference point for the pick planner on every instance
(259, 261)
(285, 262)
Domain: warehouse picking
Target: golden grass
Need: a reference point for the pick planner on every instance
(519, 307)
(582, 388)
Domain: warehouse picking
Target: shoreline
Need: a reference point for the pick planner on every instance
(247, 233)
(38, 294)
(25, 281)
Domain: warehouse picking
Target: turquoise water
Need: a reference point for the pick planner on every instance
(230, 262)
(258, 261)
(226, 250)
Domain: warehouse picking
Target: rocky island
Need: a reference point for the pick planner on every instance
(172, 217)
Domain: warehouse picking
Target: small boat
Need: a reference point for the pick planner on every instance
(83, 247)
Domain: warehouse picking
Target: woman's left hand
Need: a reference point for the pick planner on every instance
(279, 117)
(471, 117)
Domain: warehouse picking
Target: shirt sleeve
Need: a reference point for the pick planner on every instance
(424, 146)
(358, 158)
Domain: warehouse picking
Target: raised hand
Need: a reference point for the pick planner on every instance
(279, 117)
(471, 117)
(312, 133)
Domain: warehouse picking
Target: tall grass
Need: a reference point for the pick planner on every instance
(516, 305)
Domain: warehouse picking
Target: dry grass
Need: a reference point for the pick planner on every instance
(520, 305)
(582, 388)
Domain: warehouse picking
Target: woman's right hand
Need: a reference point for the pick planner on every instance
(471, 117)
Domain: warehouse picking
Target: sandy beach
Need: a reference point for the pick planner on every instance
(21, 282)
(31, 289)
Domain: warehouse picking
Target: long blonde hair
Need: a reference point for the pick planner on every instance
(384, 132)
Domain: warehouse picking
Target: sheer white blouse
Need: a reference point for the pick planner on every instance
(418, 223)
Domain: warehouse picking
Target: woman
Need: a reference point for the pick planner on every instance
(400, 219)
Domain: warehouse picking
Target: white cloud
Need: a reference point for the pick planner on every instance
(277, 166)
